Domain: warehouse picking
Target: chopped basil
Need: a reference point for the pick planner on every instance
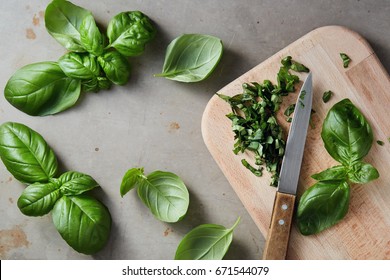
(345, 59)
(326, 96)
(289, 110)
(381, 143)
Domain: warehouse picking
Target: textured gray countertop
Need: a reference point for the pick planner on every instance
(154, 122)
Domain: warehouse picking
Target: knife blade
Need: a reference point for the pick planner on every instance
(279, 231)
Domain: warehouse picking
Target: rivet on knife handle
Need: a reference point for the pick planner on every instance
(279, 232)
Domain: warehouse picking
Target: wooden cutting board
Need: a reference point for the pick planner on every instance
(365, 231)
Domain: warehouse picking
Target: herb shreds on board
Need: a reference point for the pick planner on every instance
(254, 121)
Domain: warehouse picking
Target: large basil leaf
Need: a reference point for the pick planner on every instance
(335, 173)
(79, 65)
(128, 32)
(83, 222)
(205, 242)
(191, 57)
(26, 154)
(346, 133)
(75, 183)
(116, 67)
(63, 21)
(42, 89)
(361, 173)
(131, 179)
(322, 206)
(38, 199)
(92, 40)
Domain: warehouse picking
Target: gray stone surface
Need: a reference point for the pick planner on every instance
(153, 122)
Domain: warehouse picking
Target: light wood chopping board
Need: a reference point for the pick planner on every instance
(365, 231)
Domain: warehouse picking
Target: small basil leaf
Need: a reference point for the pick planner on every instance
(39, 198)
(346, 59)
(103, 83)
(41, 89)
(79, 66)
(322, 206)
(361, 173)
(90, 36)
(75, 183)
(165, 194)
(116, 67)
(206, 242)
(26, 154)
(128, 32)
(83, 222)
(326, 96)
(131, 179)
(63, 20)
(335, 173)
(191, 58)
(346, 133)
(90, 85)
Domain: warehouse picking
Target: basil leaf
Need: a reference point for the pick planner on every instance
(326, 96)
(131, 179)
(346, 133)
(41, 89)
(191, 58)
(361, 173)
(206, 242)
(104, 83)
(116, 67)
(128, 32)
(165, 194)
(90, 36)
(26, 154)
(63, 20)
(75, 183)
(39, 198)
(322, 206)
(79, 66)
(83, 222)
(346, 59)
(335, 173)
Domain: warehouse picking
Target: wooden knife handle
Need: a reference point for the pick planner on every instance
(279, 230)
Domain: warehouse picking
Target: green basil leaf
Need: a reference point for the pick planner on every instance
(63, 20)
(83, 222)
(131, 179)
(346, 59)
(335, 173)
(90, 85)
(361, 173)
(75, 183)
(104, 83)
(79, 65)
(191, 58)
(206, 242)
(92, 40)
(165, 194)
(322, 206)
(41, 89)
(116, 67)
(26, 154)
(128, 32)
(326, 96)
(346, 133)
(38, 199)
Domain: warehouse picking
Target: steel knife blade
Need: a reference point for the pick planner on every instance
(279, 231)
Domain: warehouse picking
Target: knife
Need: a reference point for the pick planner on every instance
(279, 230)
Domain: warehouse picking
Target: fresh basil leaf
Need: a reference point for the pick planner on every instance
(26, 154)
(322, 206)
(63, 20)
(104, 83)
(79, 65)
(38, 199)
(90, 85)
(326, 96)
(116, 67)
(41, 89)
(206, 242)
(75, 183)
(92, 40)
(346, 59)
(83, 222)
(131, 179)
(335, 173)
(128, 32)
(191, 58)
(346, 133)
(361, 173)
(165, 194)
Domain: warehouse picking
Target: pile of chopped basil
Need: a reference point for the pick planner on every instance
(254, 121)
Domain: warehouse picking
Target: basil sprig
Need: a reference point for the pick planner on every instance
(347, 137)
(93, 63)
(83, 221)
